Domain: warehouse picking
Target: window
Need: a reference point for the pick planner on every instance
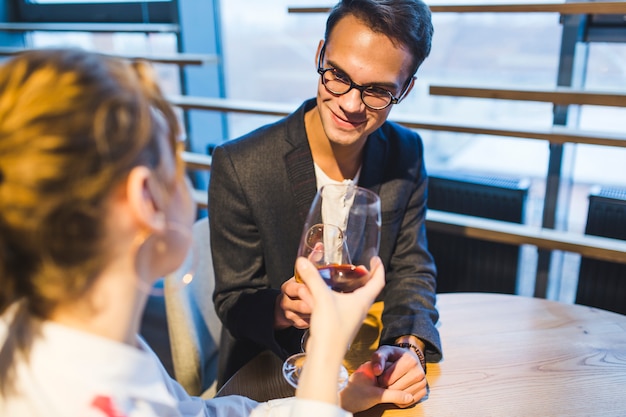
(474, 49)
(110, 11)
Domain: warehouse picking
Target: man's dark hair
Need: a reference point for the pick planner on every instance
(407, 22)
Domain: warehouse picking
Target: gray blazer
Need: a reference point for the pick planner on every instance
(260, 190)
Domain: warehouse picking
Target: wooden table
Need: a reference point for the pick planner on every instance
(504, 355)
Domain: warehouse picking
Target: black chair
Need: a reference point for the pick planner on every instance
(602, 284)
(468, 264)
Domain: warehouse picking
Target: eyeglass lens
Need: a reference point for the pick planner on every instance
(373, 97)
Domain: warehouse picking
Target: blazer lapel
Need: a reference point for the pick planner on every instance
(302, 178)
(372, 170)
(299, 161)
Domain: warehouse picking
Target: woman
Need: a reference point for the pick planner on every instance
(94, 207)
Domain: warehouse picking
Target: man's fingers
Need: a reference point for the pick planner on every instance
(292, 288)
(399, 398)
(305, 295)
(403, 379)
(296, 305)
(298, 323)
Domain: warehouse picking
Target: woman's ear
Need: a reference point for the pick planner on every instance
(143, 196)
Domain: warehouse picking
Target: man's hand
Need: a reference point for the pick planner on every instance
(290, 308)
(397, 368)
(363, 392)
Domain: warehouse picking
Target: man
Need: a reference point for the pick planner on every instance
(262, 186)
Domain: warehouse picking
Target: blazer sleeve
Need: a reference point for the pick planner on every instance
(243, 297)
(410, 290)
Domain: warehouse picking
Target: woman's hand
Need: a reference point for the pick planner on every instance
(335, 320)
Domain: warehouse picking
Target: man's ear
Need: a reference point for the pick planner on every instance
(143, 199)
(408, 89)
(319, 51)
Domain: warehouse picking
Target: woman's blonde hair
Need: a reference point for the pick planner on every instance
(73, 124)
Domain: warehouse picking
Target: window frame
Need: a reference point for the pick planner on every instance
(115, 12)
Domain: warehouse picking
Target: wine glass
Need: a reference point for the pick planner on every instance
(341, 235)
(325, 246)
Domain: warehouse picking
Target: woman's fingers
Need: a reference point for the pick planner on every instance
(309, 274)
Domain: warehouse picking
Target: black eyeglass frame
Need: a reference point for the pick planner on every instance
(393, 99)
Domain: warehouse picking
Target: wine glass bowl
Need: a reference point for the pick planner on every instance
(356, 211)
(324, 244)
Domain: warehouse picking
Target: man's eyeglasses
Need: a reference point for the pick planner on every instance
(335, 81)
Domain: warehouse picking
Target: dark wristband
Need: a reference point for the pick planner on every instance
(417, 351)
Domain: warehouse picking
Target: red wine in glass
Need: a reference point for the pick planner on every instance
(344, 278)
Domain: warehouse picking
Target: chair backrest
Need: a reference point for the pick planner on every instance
(193, 325)
(601, 283)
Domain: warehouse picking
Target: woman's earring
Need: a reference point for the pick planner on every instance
(174, 238)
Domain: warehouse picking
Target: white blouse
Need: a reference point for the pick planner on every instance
(70, 373)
